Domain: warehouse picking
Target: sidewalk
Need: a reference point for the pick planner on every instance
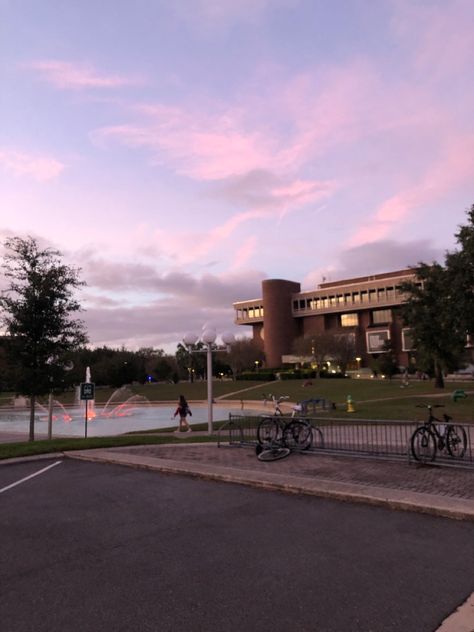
(432, 490)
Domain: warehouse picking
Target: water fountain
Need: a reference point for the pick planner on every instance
(124, 411)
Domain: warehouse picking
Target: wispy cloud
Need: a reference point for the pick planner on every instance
(455, 167)
(73, 76)
(201, 146)
(36, 166)
(440, 34)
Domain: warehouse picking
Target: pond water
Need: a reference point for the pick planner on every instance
(71, 422)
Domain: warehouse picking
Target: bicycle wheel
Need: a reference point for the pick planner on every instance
(273, 454)
(268, 431)
(423, 445)
(456, 441)
(297, 434)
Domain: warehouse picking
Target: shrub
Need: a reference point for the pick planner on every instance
(259, 376)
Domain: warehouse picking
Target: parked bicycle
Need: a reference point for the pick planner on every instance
(271, 451)
(436, 434)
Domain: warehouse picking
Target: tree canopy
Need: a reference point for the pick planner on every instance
(440, 306)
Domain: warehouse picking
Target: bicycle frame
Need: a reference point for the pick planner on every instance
(431, 422)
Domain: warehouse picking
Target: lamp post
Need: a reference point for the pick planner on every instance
(208, 337)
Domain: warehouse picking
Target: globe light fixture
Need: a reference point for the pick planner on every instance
(208, 337)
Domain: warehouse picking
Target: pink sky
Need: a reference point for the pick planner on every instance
(181, 155)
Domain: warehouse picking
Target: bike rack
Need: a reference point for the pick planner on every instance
(361, 438)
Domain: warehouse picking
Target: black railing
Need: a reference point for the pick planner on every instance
(361, 437)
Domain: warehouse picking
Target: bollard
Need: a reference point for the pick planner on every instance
(350, 405)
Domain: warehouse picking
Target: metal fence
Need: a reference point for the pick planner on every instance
(358, 438)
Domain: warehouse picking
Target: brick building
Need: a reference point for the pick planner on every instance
(364, 308)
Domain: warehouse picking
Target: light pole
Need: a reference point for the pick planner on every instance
(208, 337)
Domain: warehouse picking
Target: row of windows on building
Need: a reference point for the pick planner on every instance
(249, 312)
(376, 295)
(379, 316)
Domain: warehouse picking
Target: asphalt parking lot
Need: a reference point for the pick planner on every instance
(88, 546)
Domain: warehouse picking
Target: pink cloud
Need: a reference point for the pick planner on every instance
(454, 168)
(201, 147)
(244, 252)
(221, 236)
(68, 76)
(440, 34)
(294, 121)
(39, 167)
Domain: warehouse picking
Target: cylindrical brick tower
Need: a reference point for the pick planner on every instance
(279, 326)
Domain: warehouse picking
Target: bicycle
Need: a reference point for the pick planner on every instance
(429, 438)
(292, 433)
(271, 452)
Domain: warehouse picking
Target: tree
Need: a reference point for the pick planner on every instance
(325, 346)
(36, 310)
(344, 350)
(460, 270)
(243, 354)
(386, 363)
(440, 306)
(164, 368)
(433, 320)
(191, 364)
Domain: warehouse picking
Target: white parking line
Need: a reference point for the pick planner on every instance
(27, 478)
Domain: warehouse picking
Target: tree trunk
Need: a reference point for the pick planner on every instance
(32, 417)
(439, 379)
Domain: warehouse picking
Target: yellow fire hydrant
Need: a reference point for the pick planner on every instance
(350, 405)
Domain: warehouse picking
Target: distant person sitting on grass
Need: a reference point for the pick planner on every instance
(183, 411)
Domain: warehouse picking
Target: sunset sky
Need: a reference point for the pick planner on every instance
(180, 151)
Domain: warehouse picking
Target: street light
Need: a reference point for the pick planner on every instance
(208, 337)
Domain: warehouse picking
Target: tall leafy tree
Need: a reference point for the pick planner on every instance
(440, 306)
(37, 310)
(432, 313)
(460, 270)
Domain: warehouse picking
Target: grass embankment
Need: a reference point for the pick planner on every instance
(32, 448)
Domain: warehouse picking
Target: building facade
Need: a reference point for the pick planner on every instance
(364, 308)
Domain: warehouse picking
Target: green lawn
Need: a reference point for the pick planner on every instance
(373, 399)
(335, 389)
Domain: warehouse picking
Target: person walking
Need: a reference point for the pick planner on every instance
(183, 411)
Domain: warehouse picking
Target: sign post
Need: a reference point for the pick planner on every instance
(87, 393)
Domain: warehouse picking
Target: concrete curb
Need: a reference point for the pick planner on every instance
(32, 458)
(461, 620)
(401, 500)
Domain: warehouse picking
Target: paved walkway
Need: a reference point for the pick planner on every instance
(438, 491)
